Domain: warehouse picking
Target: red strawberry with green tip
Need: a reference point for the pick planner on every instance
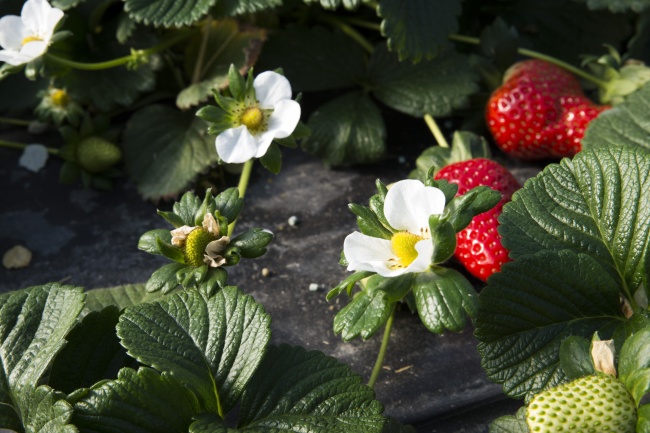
(540, 111)
(478, 246)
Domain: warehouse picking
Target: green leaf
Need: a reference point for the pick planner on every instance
(634, 364)
(252, 243)
(136, 402)
(598, 204)
(461, 210)
(47, 412)
(226, 45)
(209, 423)
(418, 29)
(170, 251)
(65, 4)
(444, 299)
(500, 42)
(618, 5)
(623, 125)
(347, 130)
(364, 315)
(239, 7)
(119, 296)
(296, 390)
(164, 279)
(229, 204)
(334, 4)
(33, 325)
(347, 284)
(434, 87)
(189, 208)
(272, 159)
(443, 238)
(167, 13)
(369, 223)
(339, 63)
(93, 353)
(643, 423)
(165, 149)
(213, 345)
(531, 306)
(511, 424)
(575, 357)
(149, 241)
(8, 417)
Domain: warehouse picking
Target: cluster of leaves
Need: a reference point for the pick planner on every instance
(443, 297)
(403, 60)
(190, 211)
(123, 360)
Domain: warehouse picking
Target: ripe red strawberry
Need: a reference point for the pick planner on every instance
(539, 112)
(478, 246)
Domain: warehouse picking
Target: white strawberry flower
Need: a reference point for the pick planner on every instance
(26, 37)
(407, 207)
(273, 115)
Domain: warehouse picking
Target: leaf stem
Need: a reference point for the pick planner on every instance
(17, 122)
(379, 363)
(120, 61)
(218, 52)
(244, 177)
(350, 31)
(196, 75)
(537, 55)
(435, 130)
(21, 146)
(362, 23)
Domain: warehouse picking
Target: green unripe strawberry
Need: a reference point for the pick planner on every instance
(94, 154)
(590, 404)
(195, 245)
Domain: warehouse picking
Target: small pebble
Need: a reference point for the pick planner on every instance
(313, 287)
(266, 272)
(401, 160)
(17, 257)
(293, 220)
(34, 157)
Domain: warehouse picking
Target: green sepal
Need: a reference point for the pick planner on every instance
(69, 173)
(229, 204)
(634, 365)
(510, 423)
(461, 210)
(639, 320)
(232, 256)
(222, 222)
(347, 284)
(394, 287)
(228, 105)
(368, 222)
(236, 83)
(448, 189)
(272, 159)
(219, 119)
(343, 261)
(190, 276)
(252, 243)
(149, 241)
(172, 218)
(364, 315)
(164, 278)
(376, 204)
(301, 131)
(215, 279)
(170, 251)
(187, 208)
(444, 299)
(207, 206)
(575, 357)
(443, 237)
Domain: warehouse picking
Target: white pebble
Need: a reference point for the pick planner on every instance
(34, 157)
(313, 287)
(293, 220)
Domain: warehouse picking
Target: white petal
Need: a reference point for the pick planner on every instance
(34, 15)
(12, 57)
(210, 224)
(52, 19)
(33, 50)
(34, 157)
(264, 141)
(179, 235)
(12, 32)
(409, 204)
(366, 253)
(423, 260)
(271, 88)
(236, 145)
(284, 118)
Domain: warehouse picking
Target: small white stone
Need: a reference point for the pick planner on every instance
(313, 287)
(35, 127)
(401, 160)
(266, 272)
(34, 157)
(293, 220)
(17, 257)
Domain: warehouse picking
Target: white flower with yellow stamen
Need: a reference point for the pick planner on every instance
(273, 115)
(407, 207)
(26, 37)
(202, 244)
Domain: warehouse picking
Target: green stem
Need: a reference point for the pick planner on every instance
(21, 146)
(17, 122)
(120, 61)
(537, 55)
(362, 23)
(218, 52)
(348, 30)
(196, 76)
(435, 130)
(379, 363)
(244, 177)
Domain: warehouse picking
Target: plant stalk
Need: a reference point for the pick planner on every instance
(196, 75)
(120, 61)
(21, 146)
(350, 31)
(17, 122)
(244, 177)
(435, 130)
(537, 55)
(379, 363)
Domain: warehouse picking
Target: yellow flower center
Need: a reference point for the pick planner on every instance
(195, 245)
(30, 39)
(59, 97)
(253, 118)
(403, 244)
